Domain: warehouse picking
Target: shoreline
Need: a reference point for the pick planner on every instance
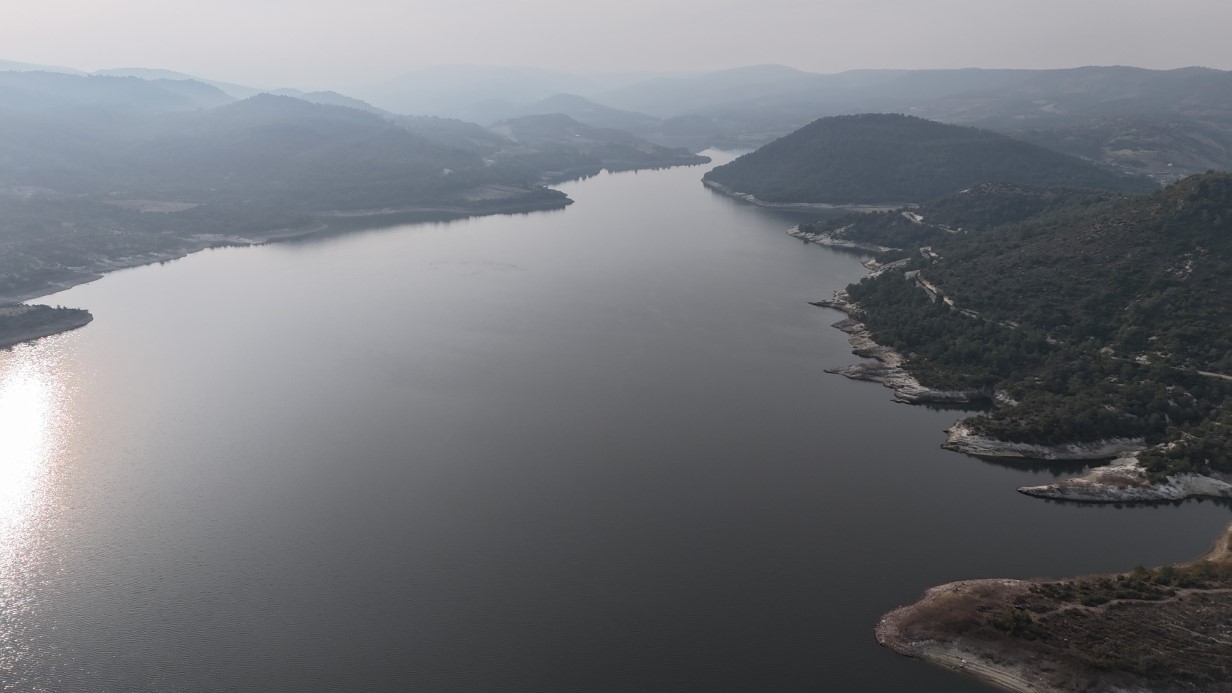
(199, 242)
(461, 211)
(67, 320)
(888, 371)
(961, 626)
(828, 240)
(195, 244)
(961, 438)
(804, 206)
(894, 632)
(1125, 481)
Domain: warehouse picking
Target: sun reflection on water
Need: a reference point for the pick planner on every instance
(34, 425)
(30, 401)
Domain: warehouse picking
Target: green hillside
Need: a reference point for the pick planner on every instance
(1099, 321)
(883, 158)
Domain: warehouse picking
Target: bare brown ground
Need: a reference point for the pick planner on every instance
(1180, 643)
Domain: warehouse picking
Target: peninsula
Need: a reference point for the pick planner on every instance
(1161, 630)
(20, 323)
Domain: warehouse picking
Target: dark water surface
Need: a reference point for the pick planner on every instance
(590, 450)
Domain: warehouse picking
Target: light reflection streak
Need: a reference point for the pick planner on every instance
(29, 402)
(34, 426)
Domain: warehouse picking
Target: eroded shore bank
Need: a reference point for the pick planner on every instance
(1126, 481)
(1157, 630)
(830, 240)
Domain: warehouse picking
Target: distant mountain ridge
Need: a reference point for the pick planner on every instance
(567, 147)
(887, 158)
(235, 91)
(36, 90)
(102, 171)
(1163, 123)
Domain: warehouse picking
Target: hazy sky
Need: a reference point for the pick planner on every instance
(340, 42)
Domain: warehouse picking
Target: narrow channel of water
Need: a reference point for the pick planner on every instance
(587, 450)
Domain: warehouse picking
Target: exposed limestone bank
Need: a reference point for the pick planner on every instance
(876, 268)
(888, 370)
(961, 438)
(832, 240)
(883, 207)
(1125, 481)
(918, 631)
(1160, 630)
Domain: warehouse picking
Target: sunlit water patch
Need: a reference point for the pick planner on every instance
(35, 423)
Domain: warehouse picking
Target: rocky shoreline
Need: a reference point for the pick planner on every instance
(1121, 481)
(961, 438)
(830, 241)
(1150, 630)
(889, 370)
(1125, 481)
(907, 631)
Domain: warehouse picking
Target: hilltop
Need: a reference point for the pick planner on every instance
(885, 158)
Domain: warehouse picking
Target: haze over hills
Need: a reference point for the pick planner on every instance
(45, 91)
(330, 98)
(143, 169)
(17, 66)
(458, 91)
(1164, 123)
(567, 147)
(878, 159)
(235, 91)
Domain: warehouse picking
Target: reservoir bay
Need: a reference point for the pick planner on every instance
(583, 450)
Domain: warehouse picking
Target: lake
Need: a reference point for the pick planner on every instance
(584, 450)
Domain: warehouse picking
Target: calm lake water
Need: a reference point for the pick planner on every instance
(588, 450)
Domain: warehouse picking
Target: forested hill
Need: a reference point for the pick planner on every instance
(1148, 276)
(101, 172)
(886, 158)
(1107, 319)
